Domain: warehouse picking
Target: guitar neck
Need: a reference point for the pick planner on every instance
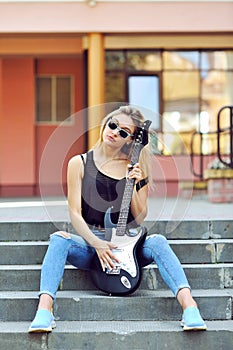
(127, 196)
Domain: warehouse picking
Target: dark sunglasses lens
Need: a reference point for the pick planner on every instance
(123, 134)
(112, 125)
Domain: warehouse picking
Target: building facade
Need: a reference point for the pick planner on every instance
(60, 59)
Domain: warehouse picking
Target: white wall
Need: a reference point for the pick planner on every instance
(116, 17)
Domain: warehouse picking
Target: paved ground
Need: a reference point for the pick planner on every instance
(55, 209)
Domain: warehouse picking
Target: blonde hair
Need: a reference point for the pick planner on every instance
(138, 120)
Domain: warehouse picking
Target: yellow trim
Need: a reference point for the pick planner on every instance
(34, 44)
(169, 41)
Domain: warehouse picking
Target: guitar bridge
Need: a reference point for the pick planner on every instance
(114, 271)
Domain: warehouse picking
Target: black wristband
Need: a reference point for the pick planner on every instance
(141, 184)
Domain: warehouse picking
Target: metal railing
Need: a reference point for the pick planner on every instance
(223, 130)
(220, 132)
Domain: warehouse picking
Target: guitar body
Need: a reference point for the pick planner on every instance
(126, 277)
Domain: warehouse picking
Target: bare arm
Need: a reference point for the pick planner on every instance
(74, 180)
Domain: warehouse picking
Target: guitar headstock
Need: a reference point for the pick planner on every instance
(142, 134)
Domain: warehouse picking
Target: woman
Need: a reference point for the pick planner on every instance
(96, 180)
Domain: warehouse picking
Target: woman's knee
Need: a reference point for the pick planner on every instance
(158, 240)
(62, 234)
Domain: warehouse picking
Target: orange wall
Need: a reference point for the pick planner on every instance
(17, 122)
(56, 145)
(1, 128)
(22, 142)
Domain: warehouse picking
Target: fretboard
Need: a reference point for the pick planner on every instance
(127, 196)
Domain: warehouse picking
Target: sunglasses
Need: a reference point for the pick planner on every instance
(123, 133)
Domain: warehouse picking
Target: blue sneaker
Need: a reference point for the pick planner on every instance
(192, 320)
(43, 322)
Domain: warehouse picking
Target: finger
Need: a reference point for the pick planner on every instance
(106, 263)
(109, 263)
(137, 175)
(113, 257)
(101, 259)
(102, 265)
(111, 254)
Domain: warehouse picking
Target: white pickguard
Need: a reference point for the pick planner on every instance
(124, 252)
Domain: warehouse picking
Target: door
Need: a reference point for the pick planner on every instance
(144, 91)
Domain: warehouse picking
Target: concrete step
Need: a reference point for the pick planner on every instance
(200, 276)
(173, 229)
(143, 305)
(115, 335)
(29, 231)
(188, 251)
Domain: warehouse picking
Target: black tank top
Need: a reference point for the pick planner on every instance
(100, 192)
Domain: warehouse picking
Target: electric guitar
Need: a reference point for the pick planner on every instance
(125, 278)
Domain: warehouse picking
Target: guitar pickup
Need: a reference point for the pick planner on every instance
(114, 271)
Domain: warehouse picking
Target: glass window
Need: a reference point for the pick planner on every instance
(144, 91)
(217, 60)
(181, 60)
(181, 108)
(114, 59)
(115, 87)
(63, 98)
(216, 92)
(181, 91)
(195, 86)
(144, 60)
(43, 99)
(53, 98)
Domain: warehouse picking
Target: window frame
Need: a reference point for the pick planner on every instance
(53, 120)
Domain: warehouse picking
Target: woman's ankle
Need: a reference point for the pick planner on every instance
(46, 302)
(185, 298)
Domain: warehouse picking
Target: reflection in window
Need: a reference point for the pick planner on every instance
(180, 94)
(114, 59)
(115, 87)
(217, 60)
(195, 85)
(144, 60)
(179, 87)
(181, 106)
(181, 60)
(216, 92)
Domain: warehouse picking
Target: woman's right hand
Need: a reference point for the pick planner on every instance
(105, 254)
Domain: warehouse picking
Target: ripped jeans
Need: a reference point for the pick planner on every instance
(75, 250)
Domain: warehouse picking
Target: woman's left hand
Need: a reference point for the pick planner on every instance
(134, 172)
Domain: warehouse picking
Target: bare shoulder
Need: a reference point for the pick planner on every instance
(75, 160)
(75, 164)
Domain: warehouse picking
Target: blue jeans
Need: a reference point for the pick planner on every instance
(78, 253)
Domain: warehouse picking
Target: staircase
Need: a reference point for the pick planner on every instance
(148, 319)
